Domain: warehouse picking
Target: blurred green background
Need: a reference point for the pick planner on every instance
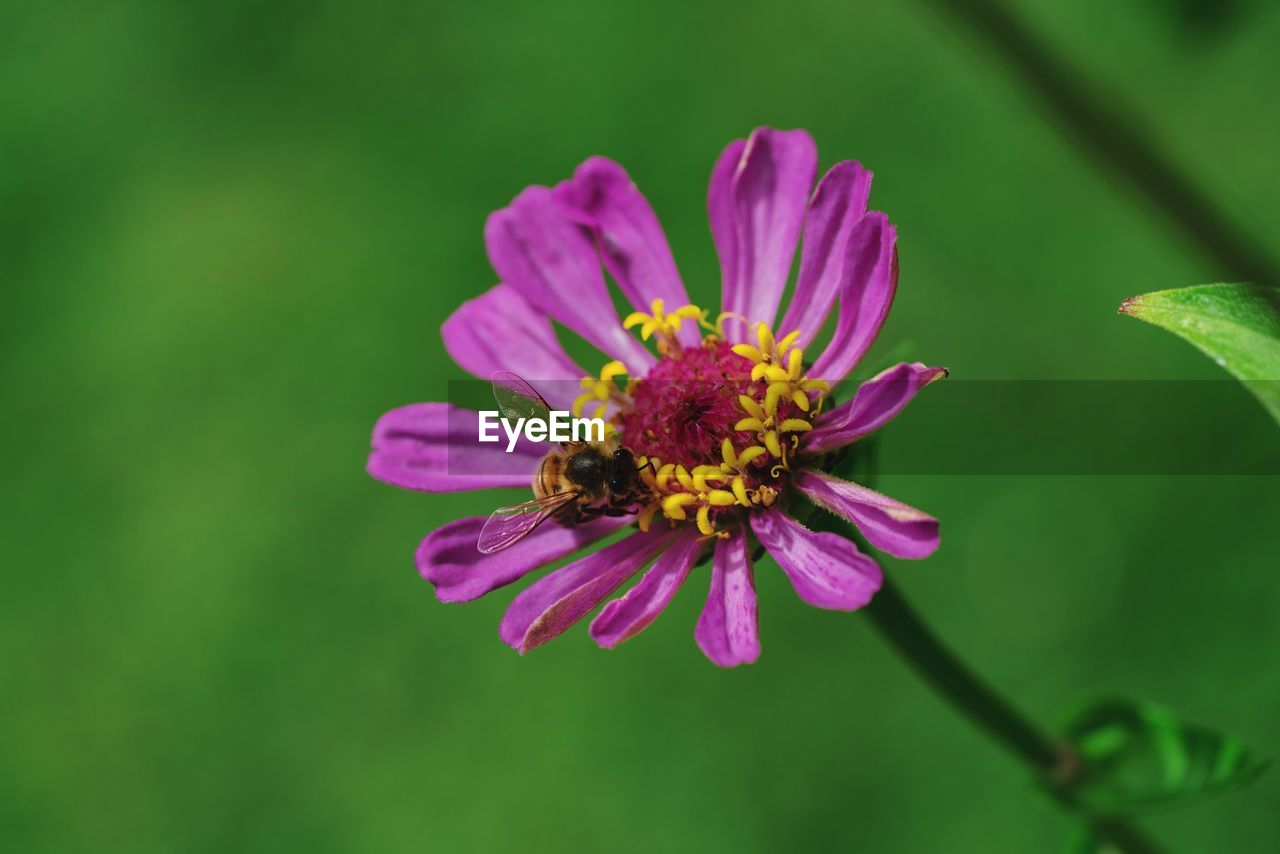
(230, 232)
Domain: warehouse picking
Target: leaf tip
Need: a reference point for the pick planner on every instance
(1131, 306)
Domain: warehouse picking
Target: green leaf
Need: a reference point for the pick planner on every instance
(1238, 326)
(1136, 756)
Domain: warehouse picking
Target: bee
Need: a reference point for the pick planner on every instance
(575, 483)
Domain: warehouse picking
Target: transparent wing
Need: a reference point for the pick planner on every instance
(517, 399)
(509, 525)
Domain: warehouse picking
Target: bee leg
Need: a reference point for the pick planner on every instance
(587, 514)
(620, 503)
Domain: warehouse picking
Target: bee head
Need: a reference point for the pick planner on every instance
(622, 472)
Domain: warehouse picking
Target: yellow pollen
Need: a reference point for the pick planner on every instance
(781, 365)
(645, 519)
(599, 389)
(662, 323)
(673, 505)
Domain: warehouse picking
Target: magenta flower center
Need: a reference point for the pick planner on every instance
(686, 406)
(716, 426)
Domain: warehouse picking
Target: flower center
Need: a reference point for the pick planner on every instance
(685, 407)
(715, 427)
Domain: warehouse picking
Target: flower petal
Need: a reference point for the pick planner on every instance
(756, 202)
(602, 197)
(537, 249)
(434, 447)
(720, 212)
(448, 557)
(628, 616)
(826, 570)
(867, 282)
(887, 524)
(727, 629)
(877, 401)
(500, 331)
(838, 203)
(557, 601)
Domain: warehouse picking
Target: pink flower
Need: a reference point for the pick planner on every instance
(730, 421)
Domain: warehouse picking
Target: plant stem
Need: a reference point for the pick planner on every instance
(976, 700)
(1100, 125)
(963, 688)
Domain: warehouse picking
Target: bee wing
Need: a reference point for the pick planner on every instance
(509, 525)
(517, 399)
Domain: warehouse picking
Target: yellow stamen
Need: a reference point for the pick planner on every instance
(599, 389)
(664, 476)
(673, 505)
(794, 364)
(771, 397)
(771, 442)
(662, 323)
(645, 519)
(774, 374)
(701, 474)
(704, 521)
(718, 328)
(720, 498)
(764, 338)
(749, 406)
(682, 475)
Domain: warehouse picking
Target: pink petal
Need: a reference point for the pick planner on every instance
(867, 283)
(626, 617)
(838, 204)
(727, 629)
(826, 570)
(558, 600)
(551, 261)
(602, 197)
(756, 202)
(449, 560)
(876, 402)
(888, 525)
(435, 447)
(720, 211)
(500, 331)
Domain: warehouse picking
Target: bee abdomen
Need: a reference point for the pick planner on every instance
(550, 477)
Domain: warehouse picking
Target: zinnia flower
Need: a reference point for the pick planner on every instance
(730, 420)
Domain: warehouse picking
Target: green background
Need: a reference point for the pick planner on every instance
(230, 234)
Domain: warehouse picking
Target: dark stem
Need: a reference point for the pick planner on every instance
(965, 690)
(1052, 761)
(1098, 125)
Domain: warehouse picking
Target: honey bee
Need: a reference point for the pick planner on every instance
(575, 483)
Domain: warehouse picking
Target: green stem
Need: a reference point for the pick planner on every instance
(976, 700)
(963, 688)
(1102, 126)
